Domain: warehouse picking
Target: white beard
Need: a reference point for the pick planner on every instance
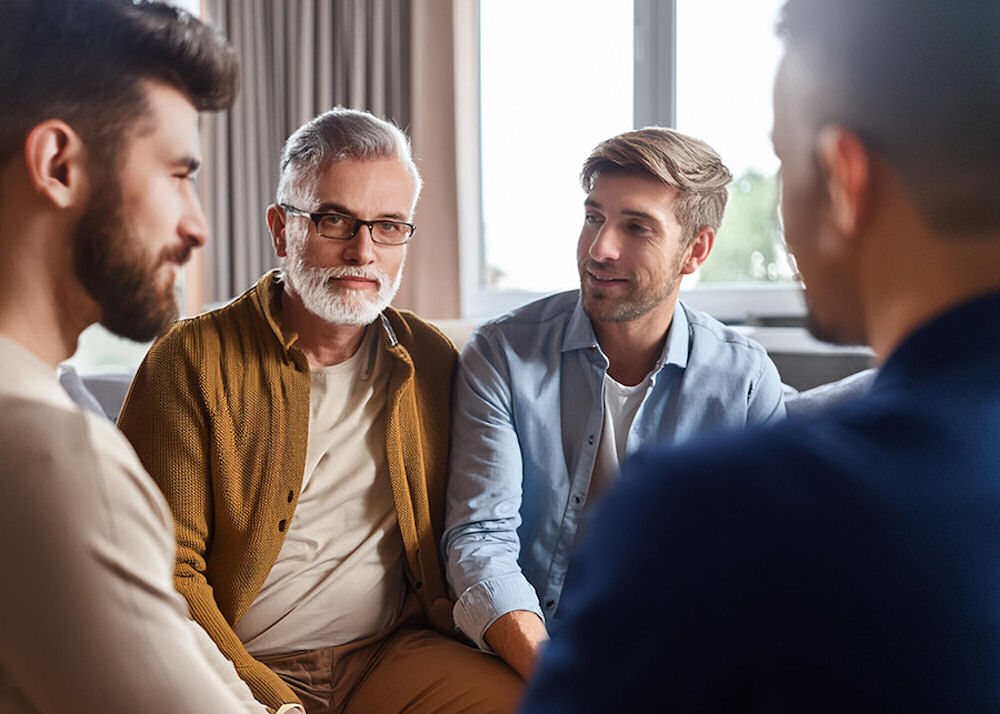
(339, 307)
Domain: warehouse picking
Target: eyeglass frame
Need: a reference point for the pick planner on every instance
(317, 217)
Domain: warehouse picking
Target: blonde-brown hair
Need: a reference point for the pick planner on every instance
(688, 165)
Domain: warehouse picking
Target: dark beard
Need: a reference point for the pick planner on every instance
(110, 263)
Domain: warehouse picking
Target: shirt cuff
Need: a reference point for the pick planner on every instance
(483, 603)
(286, 708)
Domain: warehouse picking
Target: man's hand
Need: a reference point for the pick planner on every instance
(517, 637)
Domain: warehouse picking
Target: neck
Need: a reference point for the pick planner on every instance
(43, 307)
(323, 343)
(633, 347)
(934, 275)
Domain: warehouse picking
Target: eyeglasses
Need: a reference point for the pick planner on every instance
(341, 227)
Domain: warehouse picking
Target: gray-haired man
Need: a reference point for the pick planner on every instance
(300, 435)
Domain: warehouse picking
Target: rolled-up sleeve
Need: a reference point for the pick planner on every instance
(481, 544)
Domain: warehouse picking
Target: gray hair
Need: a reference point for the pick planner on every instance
(337, 135)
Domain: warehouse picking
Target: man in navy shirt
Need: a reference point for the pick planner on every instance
(848, 561)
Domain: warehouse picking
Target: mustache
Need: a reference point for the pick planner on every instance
(179, 254)
(365, 272)
(605, 270)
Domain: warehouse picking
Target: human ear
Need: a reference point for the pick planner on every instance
(847, 164)
(276, 225)
(697, 250)
(56, 161)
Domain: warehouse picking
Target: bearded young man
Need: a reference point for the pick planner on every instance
(300, 435)
(551, 397)
(848, 561)
(98, 212)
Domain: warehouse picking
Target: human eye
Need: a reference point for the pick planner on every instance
(389, 227)
(334, 225)
(592, 219)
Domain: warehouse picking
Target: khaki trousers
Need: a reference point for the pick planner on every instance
(406, 668)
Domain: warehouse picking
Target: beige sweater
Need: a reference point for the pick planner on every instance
(219, 415)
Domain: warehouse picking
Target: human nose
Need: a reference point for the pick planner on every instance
(604, 245)
(360, 249)
(194, 226)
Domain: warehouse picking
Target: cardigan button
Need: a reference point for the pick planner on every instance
(291, 495)
(281, 525)
(418, 585)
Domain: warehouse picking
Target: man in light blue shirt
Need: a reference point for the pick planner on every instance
(550, 398)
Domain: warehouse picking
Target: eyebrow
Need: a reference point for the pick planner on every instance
(628, 211)
(642, 214)
(334, 207)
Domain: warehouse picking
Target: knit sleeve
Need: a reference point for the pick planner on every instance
(167, 417)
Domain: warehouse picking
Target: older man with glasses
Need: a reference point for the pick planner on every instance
(300, 435)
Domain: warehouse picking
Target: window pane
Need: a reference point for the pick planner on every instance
(556, 80)
(727, 54)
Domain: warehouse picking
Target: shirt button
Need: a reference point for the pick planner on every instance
(291, 495)
(576, 499)
(418, 585)
(590, 439)
(281, 525)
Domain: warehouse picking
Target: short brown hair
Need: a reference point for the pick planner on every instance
(688, 165)
(83, 61)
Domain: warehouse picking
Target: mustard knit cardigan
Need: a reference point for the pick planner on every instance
(219, 415)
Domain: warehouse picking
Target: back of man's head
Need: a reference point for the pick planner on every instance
(919, 82)
(83, 61)
(685, 164)
(338, 135)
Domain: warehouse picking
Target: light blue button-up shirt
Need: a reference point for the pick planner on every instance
(528, 411)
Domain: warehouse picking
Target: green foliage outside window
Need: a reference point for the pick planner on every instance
(749, 247)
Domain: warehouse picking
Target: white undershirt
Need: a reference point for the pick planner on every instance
(339, 576)
(620, 405)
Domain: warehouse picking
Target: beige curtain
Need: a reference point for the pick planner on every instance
(299, 58)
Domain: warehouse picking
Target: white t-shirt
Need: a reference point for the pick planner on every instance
(620, 406)
(339, 575)
(89, 618)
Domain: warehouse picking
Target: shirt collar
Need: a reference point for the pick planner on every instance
(580, 335)
(675, 351)
(28, 376)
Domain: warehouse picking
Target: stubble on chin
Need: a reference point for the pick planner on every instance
(601, 306)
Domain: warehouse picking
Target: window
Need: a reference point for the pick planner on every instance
(724, 97)
(553, 83)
